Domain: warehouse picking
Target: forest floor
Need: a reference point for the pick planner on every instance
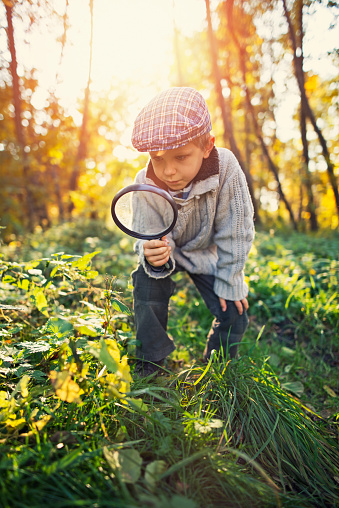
(77, 430)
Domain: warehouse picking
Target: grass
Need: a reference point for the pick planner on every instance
(260, 430)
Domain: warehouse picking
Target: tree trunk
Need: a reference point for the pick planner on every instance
(242, 56)
(29, 198)
(55, 169)
(84, 135)
(55, 173)
(303, 129)
(226, 113)
(299, 73)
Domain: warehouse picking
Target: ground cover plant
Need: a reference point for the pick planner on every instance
(78, 429)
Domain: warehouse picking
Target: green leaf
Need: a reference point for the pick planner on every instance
(11, 307)
(54, 271)
(139, 403)
(84, 261)
(23, 284)
(126, 463)
(87, 330)
(37, 375)
(8, 279)
(205, 426)
(106, 358)
(58, 327)
(35, 271)
(119, 306)
(288, 351)
(5, 358)
(35, 347)
(91, 274)
(21, 386)
(274, 360)
(91, 326)
(93, 307)
(295, 387)
(39, 300)
(153, 472)
(329, 390)
(32, 264)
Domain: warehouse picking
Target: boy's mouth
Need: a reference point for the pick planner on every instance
(173, 183)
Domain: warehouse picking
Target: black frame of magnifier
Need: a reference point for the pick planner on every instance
(149, 188)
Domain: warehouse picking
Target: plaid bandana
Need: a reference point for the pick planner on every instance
(172, 119)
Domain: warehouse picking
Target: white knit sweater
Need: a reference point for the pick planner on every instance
(215, 230)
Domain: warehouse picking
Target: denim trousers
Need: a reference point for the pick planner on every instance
(151, 300)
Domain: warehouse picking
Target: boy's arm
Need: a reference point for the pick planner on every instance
(150, 268)
(234, 233)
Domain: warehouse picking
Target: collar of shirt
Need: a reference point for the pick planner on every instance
(183, 194)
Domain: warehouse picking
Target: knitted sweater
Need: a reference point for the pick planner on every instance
(214, 231)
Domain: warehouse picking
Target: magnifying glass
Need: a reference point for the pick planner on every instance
(144, 211)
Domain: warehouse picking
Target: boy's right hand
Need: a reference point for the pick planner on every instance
(157, 252)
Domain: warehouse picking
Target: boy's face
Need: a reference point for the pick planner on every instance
(177, 167)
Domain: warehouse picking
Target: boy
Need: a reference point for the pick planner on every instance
(213, 234)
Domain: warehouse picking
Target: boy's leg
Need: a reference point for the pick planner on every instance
(228, 327)
(151, 298)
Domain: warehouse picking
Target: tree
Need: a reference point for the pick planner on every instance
(306, 175)
(20, 134)
(55, 168)
(84, 133)
(229, 5)
(305, 104)
(225, 111)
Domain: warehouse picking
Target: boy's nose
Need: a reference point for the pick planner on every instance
(169, 169)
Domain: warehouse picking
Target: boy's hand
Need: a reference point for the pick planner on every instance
(157, 252)
(240, 305)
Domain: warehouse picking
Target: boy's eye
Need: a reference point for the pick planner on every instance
(181, 157)
(156, 159)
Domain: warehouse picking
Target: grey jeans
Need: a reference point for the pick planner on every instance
(151, 299)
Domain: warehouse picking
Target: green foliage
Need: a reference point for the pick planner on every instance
(257, 431)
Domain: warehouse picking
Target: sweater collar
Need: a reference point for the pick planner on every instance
(209, 167)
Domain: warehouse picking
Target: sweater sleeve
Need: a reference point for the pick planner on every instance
(234, 232)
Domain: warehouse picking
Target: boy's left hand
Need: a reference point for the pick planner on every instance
(240, 305)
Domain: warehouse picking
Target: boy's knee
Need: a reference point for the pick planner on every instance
(150, 289)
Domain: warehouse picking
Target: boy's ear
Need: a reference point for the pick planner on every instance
(209, 146)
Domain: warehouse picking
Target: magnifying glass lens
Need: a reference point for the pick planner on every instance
(144, 213)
